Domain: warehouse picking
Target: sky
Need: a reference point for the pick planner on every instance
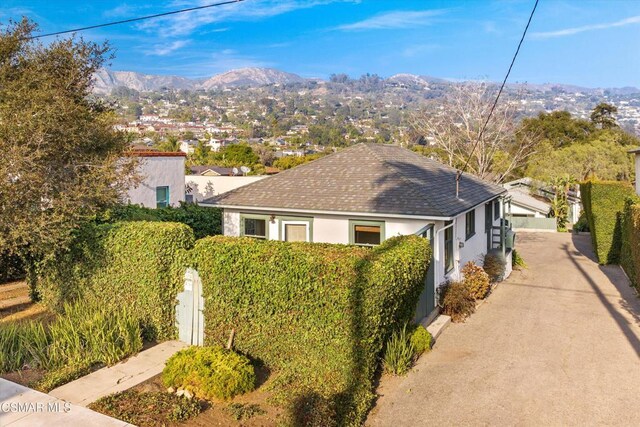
(582, 42)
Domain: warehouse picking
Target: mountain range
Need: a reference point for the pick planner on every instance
(107, 80)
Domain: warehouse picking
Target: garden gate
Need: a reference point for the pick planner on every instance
(189, 311)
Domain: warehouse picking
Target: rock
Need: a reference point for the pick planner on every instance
(180, 392)
(171, 390)
(188, 394)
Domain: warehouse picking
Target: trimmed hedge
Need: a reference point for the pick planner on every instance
(204, 221)
(630, 245)
(126, 264)
(603, 202)
(318, 314)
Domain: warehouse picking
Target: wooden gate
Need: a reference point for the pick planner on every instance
(189, 311)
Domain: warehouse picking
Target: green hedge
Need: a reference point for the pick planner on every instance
(11, 268)
(630, 247)
(318, 314)
(126, 264)
(603, 202)
(204, 221)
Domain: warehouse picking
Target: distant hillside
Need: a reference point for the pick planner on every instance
(107, 80)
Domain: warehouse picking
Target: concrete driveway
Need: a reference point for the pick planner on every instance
(556, 344)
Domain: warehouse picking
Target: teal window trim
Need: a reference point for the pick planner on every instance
(266, 219)
(281, 219)
(470, 224)
(496, 209)
(163, 203)
(352, 230)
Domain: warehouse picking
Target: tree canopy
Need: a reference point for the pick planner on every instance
(62, 161)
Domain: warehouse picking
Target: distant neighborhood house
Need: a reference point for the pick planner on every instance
(367, 193)
(162, 179)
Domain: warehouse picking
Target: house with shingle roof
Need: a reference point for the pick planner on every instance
(367, 193)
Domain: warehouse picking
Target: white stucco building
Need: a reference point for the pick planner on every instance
(368, 193)
(162, 181)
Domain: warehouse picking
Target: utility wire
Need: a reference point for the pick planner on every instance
(141, 18)
(495, 103)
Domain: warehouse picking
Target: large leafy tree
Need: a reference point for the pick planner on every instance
(62, 161)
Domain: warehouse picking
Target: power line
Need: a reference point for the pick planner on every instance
(141, 18)
(493, 107)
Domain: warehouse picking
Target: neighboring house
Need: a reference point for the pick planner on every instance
(203, 186)
(636, 154)
(367, 193)
(188, 147)
(211, 170)
(531, 199)
(162, 179)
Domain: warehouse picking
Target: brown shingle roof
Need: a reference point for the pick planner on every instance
(367, 178)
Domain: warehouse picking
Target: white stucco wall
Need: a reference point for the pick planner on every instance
(203, 187)
(158, 172)
(523, 210)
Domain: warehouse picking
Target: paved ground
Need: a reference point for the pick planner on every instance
(122, 376)
(22, 407)
(556, 344)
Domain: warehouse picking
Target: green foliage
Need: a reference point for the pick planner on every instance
(244, 411)
(420, 339)
(582, 224)
(399, 353)
(210, 372)
(127, 264)
(289, 162)
(204, 221)
(11, 267)
(155, 409)
(62, 160)
(517, 260)
(603, 203)
(557, 128)
(494, 265)
(235, 155)
(630, 240)
(456, 301)
(476, 279)
(317, 314)
(603, 115)
(79, 338)
(310, 409)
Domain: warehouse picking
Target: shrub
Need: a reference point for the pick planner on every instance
(244, 411)
(456, 301)
(476, 279)
(11, 268)
(147, 408)
(630, 245)
(420, 339)
(204, 221)
(581, 224)
(494, 265)
(210, 372)
(120, 265)
(399, 353)
(318, 314)
(60, 376)
(603, 202)
(517, 260)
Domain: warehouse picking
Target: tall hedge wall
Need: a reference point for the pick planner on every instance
(127, 264)
(630, 248)
(317, 314)
(603, 202)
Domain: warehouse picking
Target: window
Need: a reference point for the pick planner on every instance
(470, 224)
(254, 227)
(295, 231)
(162, 197)
(496, 209)
(448, 248)
(366, 233)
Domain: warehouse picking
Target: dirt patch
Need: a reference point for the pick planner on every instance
(24, 377)
(254, 407)
(15, 304)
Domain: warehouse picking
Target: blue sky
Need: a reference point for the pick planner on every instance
(583, 42)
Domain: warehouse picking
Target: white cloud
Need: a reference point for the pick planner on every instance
(187, 23)
(575, 30)
(394, 20)
(165, 49)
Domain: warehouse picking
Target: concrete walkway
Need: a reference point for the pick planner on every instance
(556, 344)
(120, 377)
(22, 406)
